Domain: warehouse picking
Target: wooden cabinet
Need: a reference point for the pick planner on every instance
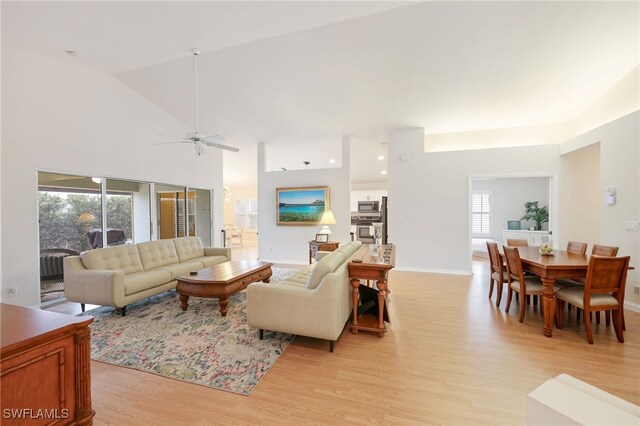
(44, 368)
(315, 246)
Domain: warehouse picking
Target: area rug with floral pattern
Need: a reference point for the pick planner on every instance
(197, 345)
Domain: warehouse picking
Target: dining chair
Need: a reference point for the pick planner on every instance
(575, 247)
(511, 242)
(497, 272)
(518, 282)
(604, 250)
(598, 250)
(603, 291)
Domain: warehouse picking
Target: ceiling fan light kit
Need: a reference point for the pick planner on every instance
(195, 138)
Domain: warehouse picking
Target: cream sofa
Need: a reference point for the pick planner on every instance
(118, 276)
(315, 301)
(565, 400)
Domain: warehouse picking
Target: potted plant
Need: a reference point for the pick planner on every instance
(539, 215)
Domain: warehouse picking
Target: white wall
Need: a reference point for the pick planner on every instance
(508, 196)
(290, 244)
(141, 214)
(61, 117)
(619, 167)
(580, 201)
(429, 196)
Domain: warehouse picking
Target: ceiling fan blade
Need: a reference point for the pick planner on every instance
(166, 143)
(213, 138)
(219, 145)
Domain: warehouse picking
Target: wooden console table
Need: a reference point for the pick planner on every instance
(45, 367)
(315, 246)
(366, 267)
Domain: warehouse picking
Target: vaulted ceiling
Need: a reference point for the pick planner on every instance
(299, 75)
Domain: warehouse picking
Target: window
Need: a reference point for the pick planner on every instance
(481, 214)
(246, 214)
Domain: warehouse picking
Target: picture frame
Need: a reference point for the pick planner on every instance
(301, 206)
(514, 225)
(322, 238)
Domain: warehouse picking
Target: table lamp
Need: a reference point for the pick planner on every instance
(327, 219)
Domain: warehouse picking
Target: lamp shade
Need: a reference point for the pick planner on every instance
(327, 218)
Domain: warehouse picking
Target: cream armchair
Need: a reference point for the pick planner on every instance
(314, 302)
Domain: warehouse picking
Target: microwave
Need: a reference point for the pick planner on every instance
(368, 206)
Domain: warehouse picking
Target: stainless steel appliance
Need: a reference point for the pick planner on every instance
(368, 213)
(368, 206)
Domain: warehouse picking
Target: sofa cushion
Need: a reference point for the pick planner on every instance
(188, 248)
(180, 268)
(326, 265)
(119, 258)
(139, 281)
(157, 253)
(210, 260)
(298, 278)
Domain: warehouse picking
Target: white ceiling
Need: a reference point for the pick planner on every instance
(298, 75)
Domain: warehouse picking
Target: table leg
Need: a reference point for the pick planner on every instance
(355, 283)
(224, 301)
(382, 290)
(183, 302)
(549, 301)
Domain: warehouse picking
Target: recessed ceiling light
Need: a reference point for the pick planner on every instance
(71, 53)
(380, 157)
(332, 161)
(384, 172)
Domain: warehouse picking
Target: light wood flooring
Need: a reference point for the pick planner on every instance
(449, 357)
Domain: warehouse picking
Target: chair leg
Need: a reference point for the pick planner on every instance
(587, 326)
(509, 296)
(261, 334)
(617, 324)
(124, 310)
(523, 305)
(598, 317)
(578, 310)
(528, 299)
(331, 342)
(535, 300)
(624, 327)
(491, 281)
(559, 313)
(499, 295)
(82, 307)
(607, 318)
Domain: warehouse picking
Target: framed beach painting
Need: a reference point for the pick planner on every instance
(302, 206)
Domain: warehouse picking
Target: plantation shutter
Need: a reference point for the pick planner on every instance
(481, 213)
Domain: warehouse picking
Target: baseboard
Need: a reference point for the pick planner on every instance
(632, 306)
(434, 271)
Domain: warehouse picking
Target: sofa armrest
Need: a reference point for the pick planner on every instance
(218, 251)
(95, 286)
(567, 400)
(320, 254)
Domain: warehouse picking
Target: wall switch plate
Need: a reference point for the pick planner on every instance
(13, 292)
(636, 289)
(631, 225)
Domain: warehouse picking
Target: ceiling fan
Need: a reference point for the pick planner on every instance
(195, 138)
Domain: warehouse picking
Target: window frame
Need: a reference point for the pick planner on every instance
(488, 213)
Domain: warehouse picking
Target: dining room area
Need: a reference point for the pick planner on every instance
(561, 283)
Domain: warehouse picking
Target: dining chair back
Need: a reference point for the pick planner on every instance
(496, 270)
(511, 242)
(603, 291)
(575, 247)
(604, 250)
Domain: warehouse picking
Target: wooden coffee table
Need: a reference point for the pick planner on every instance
(221, 281)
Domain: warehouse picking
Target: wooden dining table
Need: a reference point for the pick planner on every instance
(561, 264)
